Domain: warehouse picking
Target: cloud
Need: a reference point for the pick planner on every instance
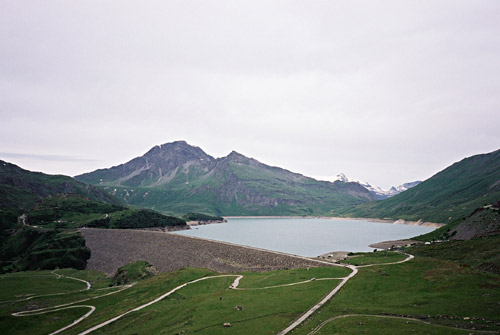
(385, 92)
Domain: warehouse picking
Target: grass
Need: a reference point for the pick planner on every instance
(482, 253)
(449, 195)
(133, 272)
(199, 309)
(433, 290)
(280, 277)
(439, 291)
(230, 188)
(381, 326)
(195, 308)
(379, 257)
(25, 284)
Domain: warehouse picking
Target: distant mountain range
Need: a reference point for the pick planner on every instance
(38, 212)
(451, 194)
(378, 192)
(178, 178)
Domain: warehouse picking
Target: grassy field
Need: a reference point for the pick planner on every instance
(440, 292)
(200, 308)
(423, 296)
(379, 257)
(482, 253)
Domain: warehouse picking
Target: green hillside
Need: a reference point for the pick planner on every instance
(449, 195)
(39, 214)
(178, 178)
(21, 189)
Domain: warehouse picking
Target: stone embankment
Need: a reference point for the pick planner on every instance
(113, 248)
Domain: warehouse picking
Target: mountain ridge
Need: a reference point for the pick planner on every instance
(178, 178)
(451, 194)
(377, 191)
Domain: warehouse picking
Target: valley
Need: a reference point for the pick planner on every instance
(100, 259)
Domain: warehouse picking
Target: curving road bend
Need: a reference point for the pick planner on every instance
(333, 292)
(234, 285)
(69, 305)
(150, 303)
(53, 294)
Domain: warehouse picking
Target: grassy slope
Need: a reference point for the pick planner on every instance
(361, 258)
(482, 253)
(234, 185)
(440, 291)
(22, 189)
(54, 206)
(196, 308)
(449, 195)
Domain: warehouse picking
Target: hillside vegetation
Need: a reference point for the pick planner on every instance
(426, 295)
(39, 214)
(449, 195)
(178, 178)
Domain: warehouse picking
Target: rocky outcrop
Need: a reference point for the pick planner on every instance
(482, 222)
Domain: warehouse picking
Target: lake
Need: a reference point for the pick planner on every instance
(308, 237)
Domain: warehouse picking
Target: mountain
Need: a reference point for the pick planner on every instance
(179, 178)
(20, 189)
(376, 191)
(23, 247)
(401, 188)
(38, 214)
(449, 195)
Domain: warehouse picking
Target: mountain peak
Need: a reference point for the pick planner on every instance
(378, 192)
(236, 157)
(179, 177)
(235, 154)
(176, 148)
(342, 177)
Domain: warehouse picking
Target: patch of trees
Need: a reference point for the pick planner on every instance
(138, 219)
(45, 249)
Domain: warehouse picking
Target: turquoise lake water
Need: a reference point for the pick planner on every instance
(305, 236)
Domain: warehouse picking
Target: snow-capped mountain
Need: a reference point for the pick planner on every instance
(378, 192)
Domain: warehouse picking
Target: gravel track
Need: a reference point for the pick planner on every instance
(113, 248)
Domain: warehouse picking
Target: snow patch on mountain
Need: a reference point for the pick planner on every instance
(376, 190)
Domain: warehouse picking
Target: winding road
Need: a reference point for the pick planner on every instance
(234, 285)
(70, 305)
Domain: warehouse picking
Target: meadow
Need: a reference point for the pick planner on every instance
(421, 296)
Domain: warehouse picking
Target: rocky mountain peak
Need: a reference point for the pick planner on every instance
(342, 177)
(177, 149)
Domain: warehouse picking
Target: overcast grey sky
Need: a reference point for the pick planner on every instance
(384, 91)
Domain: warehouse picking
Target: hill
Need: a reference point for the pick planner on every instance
(179, 178)
(38, 214)
(449, 195)
(21, 190)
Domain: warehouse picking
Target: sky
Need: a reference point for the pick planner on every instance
(384, 91)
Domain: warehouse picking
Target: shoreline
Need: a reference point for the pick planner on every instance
(399, 221)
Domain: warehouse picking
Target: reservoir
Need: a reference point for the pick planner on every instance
(308, 237)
